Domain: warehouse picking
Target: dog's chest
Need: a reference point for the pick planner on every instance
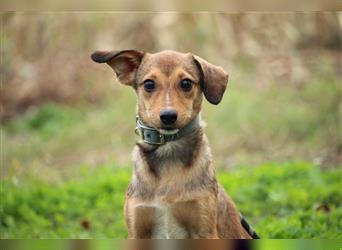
(167, 226)
(164, 223)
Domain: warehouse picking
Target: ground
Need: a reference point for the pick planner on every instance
(289, 200)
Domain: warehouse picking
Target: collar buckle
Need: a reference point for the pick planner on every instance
(162, 138)
(139, 132)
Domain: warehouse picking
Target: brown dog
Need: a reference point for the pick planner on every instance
(173, 192)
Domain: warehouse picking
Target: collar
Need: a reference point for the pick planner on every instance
(158, 137)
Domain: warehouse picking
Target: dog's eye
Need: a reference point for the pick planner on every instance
(149, 85)
(186, 84)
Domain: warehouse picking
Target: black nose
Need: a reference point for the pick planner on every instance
(168, 116)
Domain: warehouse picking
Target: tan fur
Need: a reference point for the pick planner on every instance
(174, 192)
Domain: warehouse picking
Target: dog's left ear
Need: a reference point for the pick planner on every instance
(124, 63)
(213, 80)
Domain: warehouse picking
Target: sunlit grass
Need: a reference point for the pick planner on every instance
(291, 200)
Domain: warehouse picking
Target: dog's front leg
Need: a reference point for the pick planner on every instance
(139, 220)
(198, 217)
(143, 222)
(207, 220)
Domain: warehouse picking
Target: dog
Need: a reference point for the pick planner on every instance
(174, 193)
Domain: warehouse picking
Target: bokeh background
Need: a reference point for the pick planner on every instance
(67, 125)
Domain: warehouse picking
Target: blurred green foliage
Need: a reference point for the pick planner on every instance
(50, 120)
(251, 126)
(290, 200)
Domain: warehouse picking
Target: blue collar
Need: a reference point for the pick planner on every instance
(158, 137)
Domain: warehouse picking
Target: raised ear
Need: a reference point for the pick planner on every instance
(124, 63)
(213, 80)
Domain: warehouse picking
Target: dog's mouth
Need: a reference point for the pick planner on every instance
(167, 127)
(168, 130)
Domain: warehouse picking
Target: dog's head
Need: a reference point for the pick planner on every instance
(169, 84)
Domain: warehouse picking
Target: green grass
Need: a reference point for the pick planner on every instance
(291, 200)
(91, 206)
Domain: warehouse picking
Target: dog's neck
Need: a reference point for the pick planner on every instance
(155, 136)
(178, 152)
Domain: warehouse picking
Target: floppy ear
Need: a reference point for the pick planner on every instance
(124, 63)
(213, 80)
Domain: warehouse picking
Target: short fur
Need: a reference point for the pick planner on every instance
(174, 192)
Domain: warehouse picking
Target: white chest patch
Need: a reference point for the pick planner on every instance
(166, 226)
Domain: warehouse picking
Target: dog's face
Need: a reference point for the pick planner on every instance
(169, 84)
